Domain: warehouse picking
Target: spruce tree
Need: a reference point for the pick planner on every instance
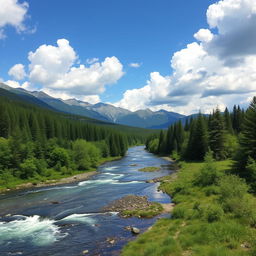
(228, 122)
(4, 123)
(198, 140)
(217, 135)
(248, 138)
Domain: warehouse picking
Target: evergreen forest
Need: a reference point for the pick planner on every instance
(38, 144)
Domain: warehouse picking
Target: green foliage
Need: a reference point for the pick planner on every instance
(214, 213)
(246, 156)
(217, 135)
(152, 210)
(38, 144)
(208, 175)
(149, 169)
(59, 156)
(198, 140)
(5, 154)
(28, 168)
(201, 224)
(153, 146)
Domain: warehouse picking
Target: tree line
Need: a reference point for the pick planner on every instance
(226, 135)
(35, 142)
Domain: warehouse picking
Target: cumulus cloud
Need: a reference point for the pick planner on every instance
(17, 72)
(204, 35)
(12, 13)
(135, 65)
(55, 70)
(235, 21)
(218, 69)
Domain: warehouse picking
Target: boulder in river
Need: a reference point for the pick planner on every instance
(135, 230)
(55, 202)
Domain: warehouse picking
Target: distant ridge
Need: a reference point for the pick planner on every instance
(146, 118)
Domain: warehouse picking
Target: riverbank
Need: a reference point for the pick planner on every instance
(200, 223)
(58, 179)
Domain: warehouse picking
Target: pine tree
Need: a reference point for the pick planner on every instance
(198, 140)
(217, 135)
(4, 123)
(228, 122)
(248, 138)
(161, 144)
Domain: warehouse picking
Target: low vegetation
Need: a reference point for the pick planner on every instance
(149, 169)
(214, 215)
(150, 211)
(134, 206)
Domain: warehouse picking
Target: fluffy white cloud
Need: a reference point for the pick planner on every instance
(217, 70)
(54, 69)
(204, 35)
(135, 65)
(50, 63)
(12, 13)
(17, 72)
(13, 83)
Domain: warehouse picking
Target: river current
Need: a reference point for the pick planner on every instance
(67, 219)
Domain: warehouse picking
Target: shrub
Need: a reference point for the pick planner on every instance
(214, 213)
(231, 186)
(179, 212)
(208, 175)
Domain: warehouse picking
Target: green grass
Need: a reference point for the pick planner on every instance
(149, 169)
(199, 226)
(151, 211)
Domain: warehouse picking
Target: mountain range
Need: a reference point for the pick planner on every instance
(161, 119)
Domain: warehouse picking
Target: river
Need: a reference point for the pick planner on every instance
(67, 219)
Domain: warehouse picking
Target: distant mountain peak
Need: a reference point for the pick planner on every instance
(144, 118)
(75, 102)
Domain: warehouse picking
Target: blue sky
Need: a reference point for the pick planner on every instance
(145, 32)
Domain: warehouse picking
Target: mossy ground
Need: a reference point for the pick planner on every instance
(152, 210)
(149, 169)
(198, 225)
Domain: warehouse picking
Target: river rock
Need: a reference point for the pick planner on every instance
(55, 202)
(129, 202)
(111, 240)
(135, 230)
(129, 228)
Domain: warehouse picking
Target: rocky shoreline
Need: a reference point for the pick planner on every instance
(49, 183)
(138, 206)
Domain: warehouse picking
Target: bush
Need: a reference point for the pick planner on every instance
(211, 190)
(214, 213)
(231, 186)
(28, 168)
(251, 173)
(208, 175)
(59, 156)
(179, 212)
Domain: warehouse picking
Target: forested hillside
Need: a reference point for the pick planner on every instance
(218, 132)
(226, 135)
(37, 143)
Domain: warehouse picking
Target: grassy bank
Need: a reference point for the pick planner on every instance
(54, 177)
(214, 215)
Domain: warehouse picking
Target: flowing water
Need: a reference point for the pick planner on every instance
(67, 219)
